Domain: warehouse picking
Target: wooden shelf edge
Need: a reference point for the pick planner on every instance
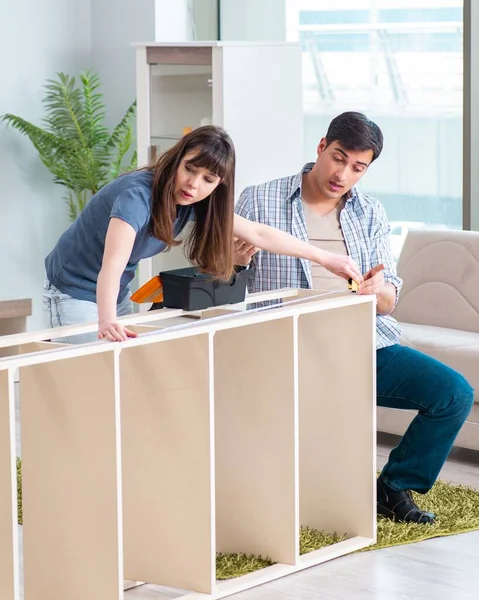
(10, 309)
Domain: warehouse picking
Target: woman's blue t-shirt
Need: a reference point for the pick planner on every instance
(74, 263)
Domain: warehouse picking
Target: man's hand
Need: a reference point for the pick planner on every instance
(243, 252)
(373, 281)
(385, 292)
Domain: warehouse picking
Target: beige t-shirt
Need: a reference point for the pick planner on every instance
(325, 232)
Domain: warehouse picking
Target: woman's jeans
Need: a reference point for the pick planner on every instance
(409, 379)
(61, 309)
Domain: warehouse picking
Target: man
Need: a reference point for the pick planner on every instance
(321, 204)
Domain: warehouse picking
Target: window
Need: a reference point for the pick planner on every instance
(400, 62)
(411, 43)
(397, 15)
(342, 17)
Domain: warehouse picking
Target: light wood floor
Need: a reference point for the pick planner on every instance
(440, 569)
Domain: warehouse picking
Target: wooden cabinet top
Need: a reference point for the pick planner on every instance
(10, 309)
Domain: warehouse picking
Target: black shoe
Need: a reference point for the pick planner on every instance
(400, 506)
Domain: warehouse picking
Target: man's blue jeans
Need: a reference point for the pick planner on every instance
(409, 379)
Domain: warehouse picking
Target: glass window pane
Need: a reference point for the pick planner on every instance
(400, 62)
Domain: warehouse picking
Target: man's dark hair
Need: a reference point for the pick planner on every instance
(356, 133)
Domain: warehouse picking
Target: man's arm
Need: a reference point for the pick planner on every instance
(385, 292)
(386, 300)
(385, 284)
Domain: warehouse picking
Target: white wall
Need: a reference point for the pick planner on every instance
(38, 38)
(253, 20)
(205, 14)
(173, 21)
(41, 38)
(116, 25)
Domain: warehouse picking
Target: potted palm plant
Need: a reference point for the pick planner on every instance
(74, 144)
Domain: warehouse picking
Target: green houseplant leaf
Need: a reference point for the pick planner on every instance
(74, 142)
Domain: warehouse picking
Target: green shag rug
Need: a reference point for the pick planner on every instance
(456, 506)
(19, 490)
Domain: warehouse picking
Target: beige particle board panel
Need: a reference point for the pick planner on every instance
(167, 437)
(256, 423)
(72, 541)
(215, 431)
(336, 356)
(9, 575)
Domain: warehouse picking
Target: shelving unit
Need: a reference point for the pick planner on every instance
(253, 90)
(143, 459)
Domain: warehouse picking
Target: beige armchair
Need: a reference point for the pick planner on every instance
(438, 311)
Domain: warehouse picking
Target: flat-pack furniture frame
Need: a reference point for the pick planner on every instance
(142, 460)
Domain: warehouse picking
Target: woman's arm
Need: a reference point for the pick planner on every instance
(279, 242)
(119, 241)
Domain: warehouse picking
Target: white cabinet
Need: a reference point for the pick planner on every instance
(253, 90)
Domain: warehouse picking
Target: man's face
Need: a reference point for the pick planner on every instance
(337, 170)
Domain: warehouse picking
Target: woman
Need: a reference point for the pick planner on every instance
(139, 214)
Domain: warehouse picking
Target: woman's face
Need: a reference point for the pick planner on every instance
(193, 183)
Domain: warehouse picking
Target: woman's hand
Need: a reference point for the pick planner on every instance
(114, 332)
(343, 266)
(243, 253)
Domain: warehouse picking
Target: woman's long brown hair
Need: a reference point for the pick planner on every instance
(210, 245)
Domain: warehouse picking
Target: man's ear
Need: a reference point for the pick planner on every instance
(321, 146)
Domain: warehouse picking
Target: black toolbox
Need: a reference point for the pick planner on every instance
(189, 289)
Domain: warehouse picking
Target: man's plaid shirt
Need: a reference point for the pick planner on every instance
(366, 234)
